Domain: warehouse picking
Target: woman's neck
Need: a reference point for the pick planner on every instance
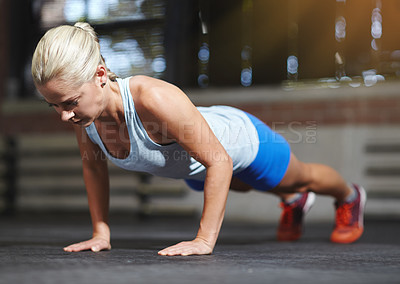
(114, 109)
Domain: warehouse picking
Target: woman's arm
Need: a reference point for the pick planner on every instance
(95, 175)
(164, 104)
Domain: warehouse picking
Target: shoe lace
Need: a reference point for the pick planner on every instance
(343, 215)
(287, 215)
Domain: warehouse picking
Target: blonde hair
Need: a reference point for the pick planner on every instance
(68, 53)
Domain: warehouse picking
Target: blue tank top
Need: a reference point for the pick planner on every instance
(231, 126)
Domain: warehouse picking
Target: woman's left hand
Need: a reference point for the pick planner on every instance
(197, 247)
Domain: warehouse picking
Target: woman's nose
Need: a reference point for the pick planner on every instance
(67, 115)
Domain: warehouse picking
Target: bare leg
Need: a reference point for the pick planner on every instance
(321, 179)
(240, 186)
(302, 177)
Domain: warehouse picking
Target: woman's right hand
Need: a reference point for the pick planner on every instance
(95, 244)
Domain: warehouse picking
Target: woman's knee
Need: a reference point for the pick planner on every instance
(298, 177)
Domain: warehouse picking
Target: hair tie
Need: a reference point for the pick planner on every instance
(78, 27)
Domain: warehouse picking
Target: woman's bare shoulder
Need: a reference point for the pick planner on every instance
(150, 92)
(146, 83)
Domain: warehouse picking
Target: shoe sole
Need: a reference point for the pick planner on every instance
(350, 240)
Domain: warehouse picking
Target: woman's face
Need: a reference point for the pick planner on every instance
(80, 105)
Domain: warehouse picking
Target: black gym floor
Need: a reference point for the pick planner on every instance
(31, 252)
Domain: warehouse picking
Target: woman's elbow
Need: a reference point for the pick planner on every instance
(227, 163)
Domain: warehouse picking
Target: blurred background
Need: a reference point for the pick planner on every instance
(323, 73)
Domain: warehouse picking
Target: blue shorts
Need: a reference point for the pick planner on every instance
(269, 166)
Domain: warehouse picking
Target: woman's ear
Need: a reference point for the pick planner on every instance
(101, 75)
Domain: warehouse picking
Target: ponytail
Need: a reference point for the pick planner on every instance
(68, 53)
(89, 29)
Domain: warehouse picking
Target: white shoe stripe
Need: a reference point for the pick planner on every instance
(309, 202)
(363, 200)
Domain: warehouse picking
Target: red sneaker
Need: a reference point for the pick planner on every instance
(350, 219)
(291, 222)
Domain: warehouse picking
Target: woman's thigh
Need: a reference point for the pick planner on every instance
(236, 185)
(297, 178)
(239, 185)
